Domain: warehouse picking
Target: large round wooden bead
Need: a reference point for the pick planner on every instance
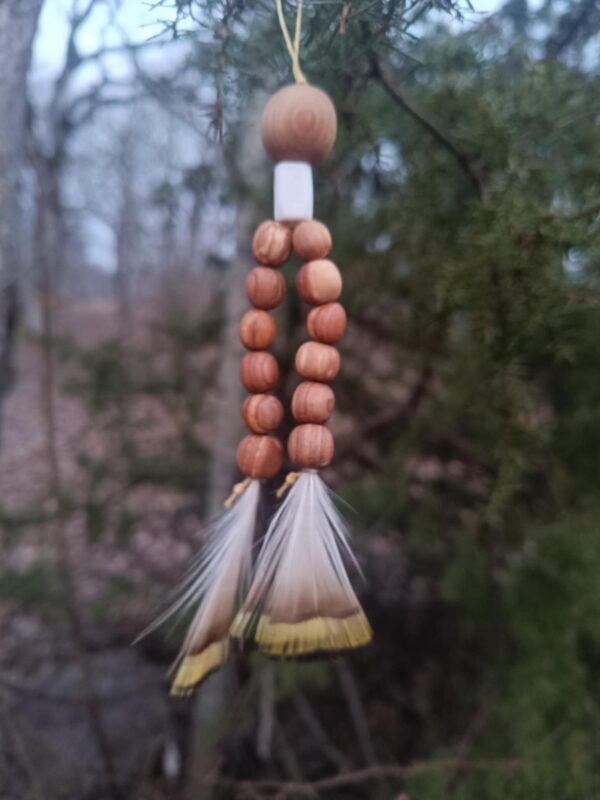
(262, 413)
(317, 362)
(259, 372)
(311, 240)
(313, 402)
(260, 456)
(272, 244)
(310, 446)
(327, 323)
(257, 329)
(319, 282)
(265, 288)
(299, 124)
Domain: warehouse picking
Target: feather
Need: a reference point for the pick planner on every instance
(216, 584)
(301, 600)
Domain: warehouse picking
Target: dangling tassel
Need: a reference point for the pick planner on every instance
(216, 584)
(301, 600)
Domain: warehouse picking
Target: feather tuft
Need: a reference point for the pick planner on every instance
(215, 586)
(301, 600)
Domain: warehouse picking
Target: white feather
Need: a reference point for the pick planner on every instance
(215, 584)
(301, 599)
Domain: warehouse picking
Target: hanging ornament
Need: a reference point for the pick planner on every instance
(301, 599)
(298, 598)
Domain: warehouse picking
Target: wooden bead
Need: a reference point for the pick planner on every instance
(317, 362)
(299, 124)
(310, 446)
(257, 329)
(311, 240)
(262, 413)
(327, 323)
(265, 288)
(319, 282)
(313, 402)
(272, 244)
(260, 457)
(259, 372)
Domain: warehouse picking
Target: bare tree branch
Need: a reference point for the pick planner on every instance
(372, 773)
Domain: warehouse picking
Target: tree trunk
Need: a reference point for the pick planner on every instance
(18, 22)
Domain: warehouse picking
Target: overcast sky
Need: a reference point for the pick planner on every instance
(135, 17)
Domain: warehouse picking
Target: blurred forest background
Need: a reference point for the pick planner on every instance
(464, 199)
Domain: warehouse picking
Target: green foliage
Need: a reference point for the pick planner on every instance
(34, 586)
(540, 694)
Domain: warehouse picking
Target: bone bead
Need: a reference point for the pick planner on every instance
(260, 457)
(272, 244)
(310, 446)
(265, 288)
(319, 282)
(313, 402)
(259, 372)
(317, 362)
(311, 240)
(257, 329)
(262, 413)
(299, 124)
(327, 323)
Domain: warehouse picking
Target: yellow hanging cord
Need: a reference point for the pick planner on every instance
(293, 48)
(237, 490)
(290, 480)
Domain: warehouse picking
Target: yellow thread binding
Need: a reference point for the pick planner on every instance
(194, 668)
(237, 490)
(290, 480)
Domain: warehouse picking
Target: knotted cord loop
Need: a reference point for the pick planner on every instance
(293, 48)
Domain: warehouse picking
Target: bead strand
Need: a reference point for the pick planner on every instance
(260, 453)
(319, 283)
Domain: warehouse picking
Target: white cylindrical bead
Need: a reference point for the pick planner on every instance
(293, 191)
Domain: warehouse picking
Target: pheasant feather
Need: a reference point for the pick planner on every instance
(215, 586)
(301, 600)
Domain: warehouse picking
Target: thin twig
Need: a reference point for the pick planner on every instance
(351, 694)
(375, 772)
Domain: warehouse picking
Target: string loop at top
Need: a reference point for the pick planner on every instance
(293, 48)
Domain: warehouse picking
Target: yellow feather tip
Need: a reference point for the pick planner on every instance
(308, 636)
(194, 668)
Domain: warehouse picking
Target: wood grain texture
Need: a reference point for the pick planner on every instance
(327, 323)
(260, 457)
(319, 282)
(313, 402)
(299, 124)
(259, 372)
(310, 446)
(265, 288)
(262, 413)
(317, 362)
(272, 244)
(257, 329)
(311, 240)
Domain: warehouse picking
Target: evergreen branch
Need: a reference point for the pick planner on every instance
(467, 163)
(570, 25)
(575, 216)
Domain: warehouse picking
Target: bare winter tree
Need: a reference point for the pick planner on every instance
(18, 22)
